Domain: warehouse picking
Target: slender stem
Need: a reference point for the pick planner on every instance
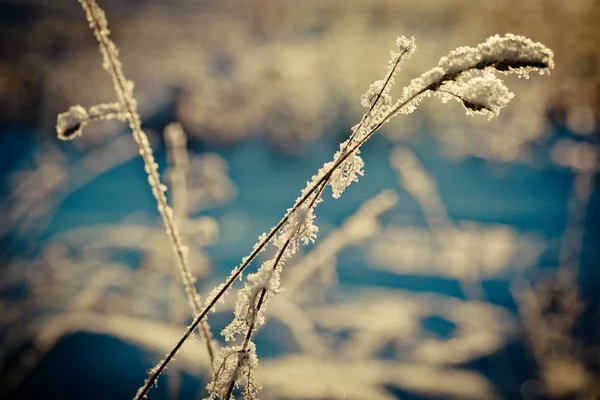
(115, 69)
(163, 364)
(372, 107)
(312, 203)
(451, 94)
(246, 341)
(258, 308)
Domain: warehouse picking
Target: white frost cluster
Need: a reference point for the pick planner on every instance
(373, 94)
(455, 74)
(509, 53)
(70, 124)
(485, 94)
(379, 91)
(379, 101)
(107, 111)
(417, 90)
(378, 98)
(347, 172)
(232, 364)
(300, 229)
(237, 363)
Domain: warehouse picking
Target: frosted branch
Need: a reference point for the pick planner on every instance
(508, 54)
(70, 124)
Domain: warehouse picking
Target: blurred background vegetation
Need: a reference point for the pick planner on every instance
(477, 281)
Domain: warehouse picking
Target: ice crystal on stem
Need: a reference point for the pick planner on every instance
(378, 95)
(507, 54)
(237, 363)
(70, 124)
(379, 101)
(485, 94)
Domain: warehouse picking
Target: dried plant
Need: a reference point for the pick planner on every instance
(465, 74)
(71, 123)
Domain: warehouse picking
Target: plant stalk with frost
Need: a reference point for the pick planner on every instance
(176, 142)
(456, 76)
(71, 123)
(249, 310)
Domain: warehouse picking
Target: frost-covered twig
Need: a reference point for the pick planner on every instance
(250, 312)
(456, 74)
(249, 309)
(299, 229)
(178, 159)
(70, 124)
(176, 142)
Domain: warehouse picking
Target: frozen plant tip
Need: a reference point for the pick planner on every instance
(465, 74)
(70, 124)
(507, 54)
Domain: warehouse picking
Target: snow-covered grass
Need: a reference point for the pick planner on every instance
(466, 74)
